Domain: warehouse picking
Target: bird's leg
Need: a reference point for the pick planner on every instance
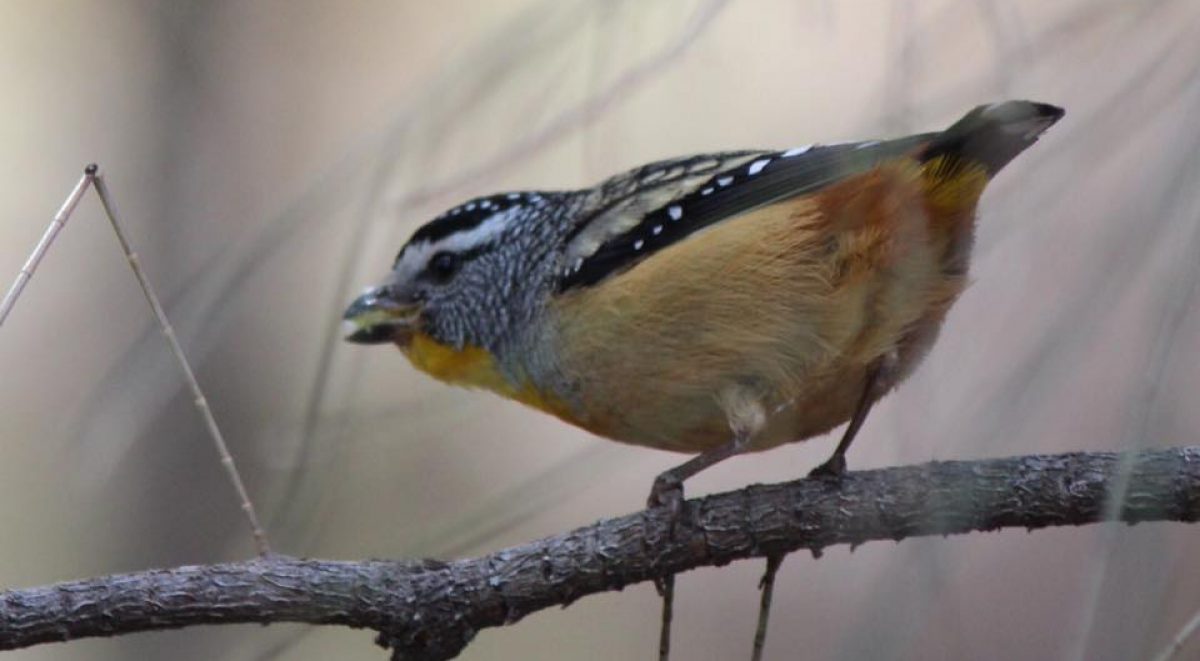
(767, 585)
(835, 466)
(747, 417)
(668, 491)
(743, 407)
(668, 486)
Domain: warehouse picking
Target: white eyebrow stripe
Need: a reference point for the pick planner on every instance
(416, 255)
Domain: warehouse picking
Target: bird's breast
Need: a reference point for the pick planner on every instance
(476, 367)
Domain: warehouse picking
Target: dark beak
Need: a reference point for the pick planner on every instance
(377, 317)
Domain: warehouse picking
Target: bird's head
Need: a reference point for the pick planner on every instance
(467, 278)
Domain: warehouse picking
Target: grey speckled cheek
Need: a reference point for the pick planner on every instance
(498, 295)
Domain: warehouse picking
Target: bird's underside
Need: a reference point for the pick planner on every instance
(854, 277)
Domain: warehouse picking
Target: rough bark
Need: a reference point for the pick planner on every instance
(431, 610)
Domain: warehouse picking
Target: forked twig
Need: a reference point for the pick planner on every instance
(91, 176)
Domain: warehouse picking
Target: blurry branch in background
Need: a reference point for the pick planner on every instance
(92, 177)
(431, 610)
(581, 115)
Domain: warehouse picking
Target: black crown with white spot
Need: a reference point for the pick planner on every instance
(469, 215)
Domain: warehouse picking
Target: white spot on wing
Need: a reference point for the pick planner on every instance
(471, 207)
(653, 176)
(757, 166)
(657, 230)
(795, 151)
(869, 143)
(637, 245)
(513, 196)
(619, 219)
(675, 212)
(707, 191)
(724, 181)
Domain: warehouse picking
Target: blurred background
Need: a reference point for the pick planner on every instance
(271, 157)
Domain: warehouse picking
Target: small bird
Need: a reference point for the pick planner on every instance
(712, 304)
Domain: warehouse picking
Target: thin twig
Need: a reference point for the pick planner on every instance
(39, 251)
(1180, 638)
(198, 398)
(764, 608)
(667, 588)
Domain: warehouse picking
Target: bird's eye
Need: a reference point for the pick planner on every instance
(443, 266)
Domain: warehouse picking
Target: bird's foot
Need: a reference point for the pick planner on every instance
(834, 468)
(666, 492)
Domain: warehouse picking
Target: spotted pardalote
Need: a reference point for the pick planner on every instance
(711, 304)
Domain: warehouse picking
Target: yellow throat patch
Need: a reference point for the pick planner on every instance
(475, 367)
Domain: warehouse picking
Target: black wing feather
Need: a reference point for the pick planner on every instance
(766, 178)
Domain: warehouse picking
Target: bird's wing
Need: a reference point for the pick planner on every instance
(645, 210)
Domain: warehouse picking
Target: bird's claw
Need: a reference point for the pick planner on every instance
(666, 492)
(835, 468)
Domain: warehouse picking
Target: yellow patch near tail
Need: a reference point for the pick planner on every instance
(953, 185)
(475, 367)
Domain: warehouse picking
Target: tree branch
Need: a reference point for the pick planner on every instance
(431, 610)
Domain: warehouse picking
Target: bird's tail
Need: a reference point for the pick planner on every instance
(991, 135)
